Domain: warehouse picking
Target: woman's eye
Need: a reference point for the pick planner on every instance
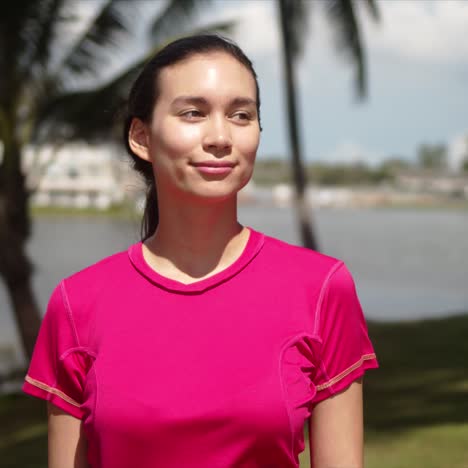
(192, 114)
(242, 116)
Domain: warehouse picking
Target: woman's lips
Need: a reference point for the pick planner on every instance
(214, 167)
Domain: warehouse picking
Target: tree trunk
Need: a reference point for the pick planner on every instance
(26, 313)
(15, 268)
(303, 209)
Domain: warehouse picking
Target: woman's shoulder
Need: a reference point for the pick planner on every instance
(290, 254)
(86, 285)
(78, 298)
(112, 264)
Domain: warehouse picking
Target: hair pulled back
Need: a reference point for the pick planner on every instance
(145, 92)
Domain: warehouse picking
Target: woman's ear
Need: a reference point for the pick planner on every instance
(138, 139)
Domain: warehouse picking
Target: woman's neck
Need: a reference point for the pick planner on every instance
(195, 241)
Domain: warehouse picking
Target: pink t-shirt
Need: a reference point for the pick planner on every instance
(219, 373)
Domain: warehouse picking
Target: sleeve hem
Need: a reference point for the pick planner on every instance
(41, 390)
(345, 378)
(342, 375)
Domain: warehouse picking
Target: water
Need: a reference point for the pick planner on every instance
(407, 264)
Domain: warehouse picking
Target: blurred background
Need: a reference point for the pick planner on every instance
(364, 156)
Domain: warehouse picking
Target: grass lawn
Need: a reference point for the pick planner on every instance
(416, 404)
(123, 211)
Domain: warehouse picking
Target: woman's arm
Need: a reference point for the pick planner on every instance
(67, 443)
(336, 430)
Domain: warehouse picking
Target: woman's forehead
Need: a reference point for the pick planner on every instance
(211, 74)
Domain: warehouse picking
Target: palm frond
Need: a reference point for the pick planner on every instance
(75, 115)
(225, 27)
(373, 10)
(348, 39)
(84, 114)
(174, 17)
(15, 29)
(42, 30)
(296, 18)
(102, 34)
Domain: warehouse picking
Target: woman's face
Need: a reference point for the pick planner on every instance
(204, 133)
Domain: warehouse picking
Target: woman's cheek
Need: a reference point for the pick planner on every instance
(172, 138)
(248, 146)
(181, 140)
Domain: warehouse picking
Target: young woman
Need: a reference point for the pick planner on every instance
(208, 344)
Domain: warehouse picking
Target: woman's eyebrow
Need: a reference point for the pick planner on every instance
(195, 100)
(243, 101)
(201, 101)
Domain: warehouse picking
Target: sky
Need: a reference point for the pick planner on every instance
(417, 57)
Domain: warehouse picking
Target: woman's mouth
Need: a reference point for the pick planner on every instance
(214, 167)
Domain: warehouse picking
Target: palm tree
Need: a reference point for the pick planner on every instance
(294, 16)
(36, 106)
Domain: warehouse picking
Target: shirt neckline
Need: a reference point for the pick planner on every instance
(252, 247)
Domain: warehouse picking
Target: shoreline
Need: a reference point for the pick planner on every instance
(125, 212)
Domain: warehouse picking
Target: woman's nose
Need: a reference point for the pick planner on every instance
(217, 135)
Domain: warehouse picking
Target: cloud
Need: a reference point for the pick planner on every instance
(427, 32)
(417, 36)
(424, 31)
(256, 31)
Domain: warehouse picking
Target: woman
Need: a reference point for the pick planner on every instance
(207, 344)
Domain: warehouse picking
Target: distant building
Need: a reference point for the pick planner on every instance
(80, 176)
(458, 152)
(436, 182)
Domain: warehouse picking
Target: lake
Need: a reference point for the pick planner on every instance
(407, 264)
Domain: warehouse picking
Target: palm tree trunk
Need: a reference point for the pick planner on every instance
(299, 174)
(26, 313)
(15, 268)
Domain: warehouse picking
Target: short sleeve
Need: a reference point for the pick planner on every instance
(58, 366)
(346, 351)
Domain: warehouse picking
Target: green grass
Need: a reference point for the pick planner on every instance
(23, 432)
(122, 211)
(416, 404)
(436, 205)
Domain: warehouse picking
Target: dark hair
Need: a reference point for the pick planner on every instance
(144, 94)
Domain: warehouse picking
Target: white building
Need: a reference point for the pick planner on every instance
(458, 152)
(79, 175)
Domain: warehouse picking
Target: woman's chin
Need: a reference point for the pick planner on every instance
(215, 193)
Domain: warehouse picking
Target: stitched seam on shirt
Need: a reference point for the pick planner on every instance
(96, 394)
(318, 311)
(318, 307)
(77, 350)
(69, 311)
(347, 371)
(283, 386)
(51, 390)
(283, 389)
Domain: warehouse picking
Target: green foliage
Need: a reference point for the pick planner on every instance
(272, 171)
(275, 171)
(37, 103)
(343, 15)
(395, 163)
(432, 156)
(346, 174)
